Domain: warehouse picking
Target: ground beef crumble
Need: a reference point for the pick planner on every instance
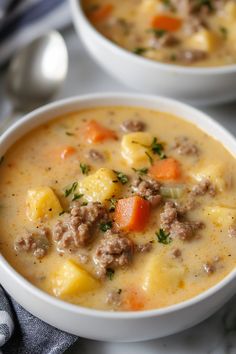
(133, 126)
(35, 242)
(205, 186)
(149, 189)
(184, 146)
(76, 229)
(114, 250)
(172, 222)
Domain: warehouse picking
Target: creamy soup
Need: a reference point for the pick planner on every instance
(185, 32)
(119, 208)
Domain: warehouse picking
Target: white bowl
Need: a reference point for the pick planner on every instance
(104, 325)
(199, 86)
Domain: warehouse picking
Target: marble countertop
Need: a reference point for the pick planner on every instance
(217, 335)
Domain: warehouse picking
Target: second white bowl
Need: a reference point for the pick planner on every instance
(199, 86)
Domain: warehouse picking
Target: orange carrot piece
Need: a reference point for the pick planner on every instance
(132, 214)
(166, 23)
(95, 132)
(134, 301)
(101, 13)
(67, 152)
(168, 169)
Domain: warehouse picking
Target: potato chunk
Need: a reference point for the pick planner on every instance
(134, 147)
(42, 203)
(100, 186)
(71, 279)
(221, 216)
(203, 40)
(162, 273)
(216, 174)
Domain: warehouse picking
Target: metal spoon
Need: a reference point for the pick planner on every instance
(35, 74)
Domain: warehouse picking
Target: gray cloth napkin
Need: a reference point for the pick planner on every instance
(22, 333)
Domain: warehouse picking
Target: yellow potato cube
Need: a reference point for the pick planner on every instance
(42, 203)
(216, 174)
(230, 11)
(203, 40)
(161, 274)
(134, 147)
(71, 279)
(100, 186)
(148, 7)
(220, 216)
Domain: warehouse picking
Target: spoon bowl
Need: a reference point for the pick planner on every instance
(37, 72)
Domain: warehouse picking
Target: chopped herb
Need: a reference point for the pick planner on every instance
(122, 177)
(69, 134)
(1, 159)
(158, 32)
(104, 226)
(141, 171)
(139, 50)
(112, 206)
(71, 189)
(173, 57)
(149, 157)
(110, 273)
(224, 32)
(84, 168)
(61, 213)
(84, 203)
(166, 2)
(77, 196)
(119, 291)
(207, 3)
(163, 237)
(157, 148)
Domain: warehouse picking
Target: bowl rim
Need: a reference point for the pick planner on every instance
(79, 15)
(47, 110)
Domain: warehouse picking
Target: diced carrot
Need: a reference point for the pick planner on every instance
(168, 169)
(101, 13)
(132, 214)
(134, 300)
(67, 151)
(95, 132)
(166, 23)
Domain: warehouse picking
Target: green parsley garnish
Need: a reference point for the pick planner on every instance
(77, 196)
(84, 168)
(104, 226)
(71, 189)
(163, 237)
(158, 32)
(207, 3)
(139, 50)
(110, 273)
(122, 178)
(149, 157)
(157, 148)
(69, 134)
(224, 32)
(1, 159)
(141, 171)
(112, 206)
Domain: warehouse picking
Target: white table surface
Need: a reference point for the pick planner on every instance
(217, 335)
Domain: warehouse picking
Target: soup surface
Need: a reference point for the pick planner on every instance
(185, 32)
(119, 208)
